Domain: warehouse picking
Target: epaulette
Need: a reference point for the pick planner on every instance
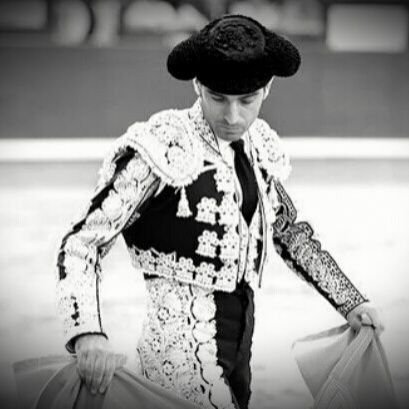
(167, 144)
(271, 155)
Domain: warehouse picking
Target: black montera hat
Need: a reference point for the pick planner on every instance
(234, 55)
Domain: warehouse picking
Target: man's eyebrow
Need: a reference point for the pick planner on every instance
(250, 95)
(214, 93)
(241, 96)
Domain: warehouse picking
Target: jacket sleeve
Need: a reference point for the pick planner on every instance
(114, 206)
(302, 252)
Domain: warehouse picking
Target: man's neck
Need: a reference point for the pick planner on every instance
(222, 142)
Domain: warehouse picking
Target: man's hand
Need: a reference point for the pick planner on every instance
(96, 362)
(365, 314)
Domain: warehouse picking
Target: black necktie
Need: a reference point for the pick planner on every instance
(247, 179)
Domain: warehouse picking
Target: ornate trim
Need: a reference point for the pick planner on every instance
(178, 348)
(308, 259)
(229, 246)
(166, 143)
(208, 243)
(271, 155)
(255, 236)
(206, 210)
(224, 179)
(202, 128)
(82, 250)
(205, 275)
(108, 168)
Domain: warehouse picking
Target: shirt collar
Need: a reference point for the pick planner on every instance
(223, 144)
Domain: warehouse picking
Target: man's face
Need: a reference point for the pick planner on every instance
(230, 116)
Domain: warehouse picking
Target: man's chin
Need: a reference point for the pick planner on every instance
(230, 136)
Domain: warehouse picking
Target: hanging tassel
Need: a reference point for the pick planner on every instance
(183, 206)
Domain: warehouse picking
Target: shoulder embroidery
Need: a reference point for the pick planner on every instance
(120, 146)
(272, 157)
(168, 144)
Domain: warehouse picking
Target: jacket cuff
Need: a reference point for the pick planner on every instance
(352, 303)
(70, 345)
(303, 253)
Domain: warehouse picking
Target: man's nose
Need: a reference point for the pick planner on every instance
(231, 114)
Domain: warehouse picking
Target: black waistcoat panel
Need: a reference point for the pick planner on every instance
(159, 228)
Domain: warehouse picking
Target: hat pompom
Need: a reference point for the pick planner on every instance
(282, 54)
(182, 60)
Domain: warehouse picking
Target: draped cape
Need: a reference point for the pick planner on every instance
(54, 383)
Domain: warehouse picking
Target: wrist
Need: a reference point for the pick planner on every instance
(85, 339)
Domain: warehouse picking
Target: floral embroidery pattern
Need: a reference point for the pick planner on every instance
(229, 246)
(207, 244)
(152, 262)
(172, 148)
(178, 348)
(224, 179)
(229, 217)
(271, 155)
(166, 143)
(307, 258)
(228, 211)
(206, 210)
(203, 130)
(81, 251)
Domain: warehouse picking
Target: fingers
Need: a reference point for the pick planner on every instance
(355, 324)
(110, 366)
(97, 368)
(365, 315)
(113, 362)
(371, 317)
(366, 320)
(81, 360)
(89, 369)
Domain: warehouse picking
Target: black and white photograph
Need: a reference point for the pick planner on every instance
(204, 204)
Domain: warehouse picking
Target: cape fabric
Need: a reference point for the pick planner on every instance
(345, 370)
(51, 383)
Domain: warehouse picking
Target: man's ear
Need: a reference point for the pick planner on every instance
(196, 87)
(267, 87)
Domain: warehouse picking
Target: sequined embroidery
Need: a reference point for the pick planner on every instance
(229, 246)
(271, 155)
(228, 211)
(308, 259)
(224, 179)
(152, 262)
(207, 244)
(81, 251)
(178, 348)
(206, 210)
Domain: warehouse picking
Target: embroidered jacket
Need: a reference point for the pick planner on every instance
(166, 188)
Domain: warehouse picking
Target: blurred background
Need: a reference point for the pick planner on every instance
(75, 73)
